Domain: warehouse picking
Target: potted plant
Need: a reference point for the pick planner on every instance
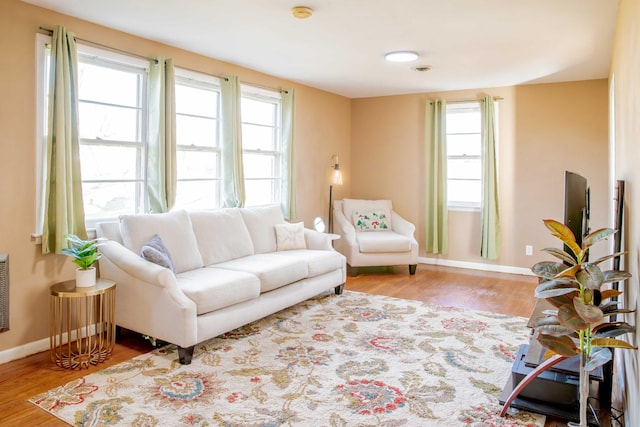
(85, 254)
(580, 323)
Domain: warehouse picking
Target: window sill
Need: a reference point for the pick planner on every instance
(464, 208)
(37, 238)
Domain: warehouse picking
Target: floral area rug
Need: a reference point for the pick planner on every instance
(334, 360)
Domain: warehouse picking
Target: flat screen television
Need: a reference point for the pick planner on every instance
(576, 205)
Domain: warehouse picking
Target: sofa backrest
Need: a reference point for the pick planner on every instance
(221, 234)
(260, 222)
(175, 230)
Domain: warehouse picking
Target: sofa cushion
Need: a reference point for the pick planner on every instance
(290, 236)
(349, 206)
(318, 262)
(156, 252)
(371, 220)
(175, 230)
(383, 242)
(260, 222)
(273, 270)
(221, 235)
(212, 288)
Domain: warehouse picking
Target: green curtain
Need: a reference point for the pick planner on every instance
(232, 168)
(490, 216)
(289, 175)
(437, 227)
(161, 156)
(64, 208)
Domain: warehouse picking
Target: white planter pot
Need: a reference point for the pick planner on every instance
(85, 278)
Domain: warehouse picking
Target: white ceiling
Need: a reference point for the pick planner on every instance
(468, 43)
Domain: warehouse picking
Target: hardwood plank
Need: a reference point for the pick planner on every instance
(496, 292)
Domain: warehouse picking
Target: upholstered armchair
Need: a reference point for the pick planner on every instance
(372, 234)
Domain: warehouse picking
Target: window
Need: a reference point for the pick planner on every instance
(464, 146)
(197, 140)
(112, 136)
(262, 146)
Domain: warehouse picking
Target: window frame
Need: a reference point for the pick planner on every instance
(277, 179)
(465, 205)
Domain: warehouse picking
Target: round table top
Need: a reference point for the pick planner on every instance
(69, 289)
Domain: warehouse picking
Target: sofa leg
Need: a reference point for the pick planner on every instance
(412, 268)
(185, 354)
(352, 271)
(339, 289)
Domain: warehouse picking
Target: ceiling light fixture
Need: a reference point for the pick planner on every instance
(301, 12)
(401, 56)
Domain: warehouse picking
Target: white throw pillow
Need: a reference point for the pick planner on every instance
(371, 221)
(350, 206)
(174, 228)
(260, 221)
(290, 236)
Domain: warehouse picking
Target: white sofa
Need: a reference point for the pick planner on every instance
(232, 266)
(372, 234)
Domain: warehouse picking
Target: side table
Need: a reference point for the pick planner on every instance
(82, 326)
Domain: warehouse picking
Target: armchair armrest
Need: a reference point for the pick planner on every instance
(402, 226)
(344, 228)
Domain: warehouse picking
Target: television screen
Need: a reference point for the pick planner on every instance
(576, 205)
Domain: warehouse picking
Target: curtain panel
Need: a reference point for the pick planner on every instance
(233, 191)
(288, 177)
(64, 208)
(161, 156)
(490, 216)
(437, 213)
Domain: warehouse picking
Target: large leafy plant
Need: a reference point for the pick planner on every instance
(581, 321)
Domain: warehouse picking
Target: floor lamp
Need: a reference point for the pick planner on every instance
(336, 179)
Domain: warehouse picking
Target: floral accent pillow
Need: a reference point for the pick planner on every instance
(371, 221)
(290, 236)
(156, 252)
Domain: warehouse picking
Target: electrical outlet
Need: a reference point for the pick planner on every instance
(528, 250)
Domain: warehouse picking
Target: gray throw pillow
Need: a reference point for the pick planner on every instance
(156, 252)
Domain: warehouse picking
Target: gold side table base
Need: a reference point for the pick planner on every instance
(82, 326)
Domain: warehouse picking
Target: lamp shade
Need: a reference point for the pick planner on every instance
(336, 176)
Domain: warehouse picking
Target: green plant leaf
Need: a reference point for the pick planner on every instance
(590, 276)
(598, 357)
(570, 318)
(610, 293)
(561, 300)
(595, 236)
(563, 233)
(610, 276)
(555, 287)
(560, 254)
(547, 320)
(548, 269)
(611, 343)
(612, 330)
(588, 312)
(554, 330)
(562, 345)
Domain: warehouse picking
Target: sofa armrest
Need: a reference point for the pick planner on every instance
(317, 240)
(402, 226)
(136, 266)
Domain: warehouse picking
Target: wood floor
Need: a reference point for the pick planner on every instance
(501, 293)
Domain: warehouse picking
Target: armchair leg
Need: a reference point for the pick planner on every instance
(185, 354)
(412, 269)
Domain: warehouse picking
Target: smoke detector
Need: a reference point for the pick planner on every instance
(421, 68)
(301, 12)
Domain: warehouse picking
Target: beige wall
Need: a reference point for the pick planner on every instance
(543, 131)
(625, 75)
(322, 128)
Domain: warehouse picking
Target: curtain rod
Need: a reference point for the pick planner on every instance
(124, 52)
(465, 101)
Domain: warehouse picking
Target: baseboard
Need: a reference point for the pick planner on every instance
(24, 350)
(476, 266)
(34, 347)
